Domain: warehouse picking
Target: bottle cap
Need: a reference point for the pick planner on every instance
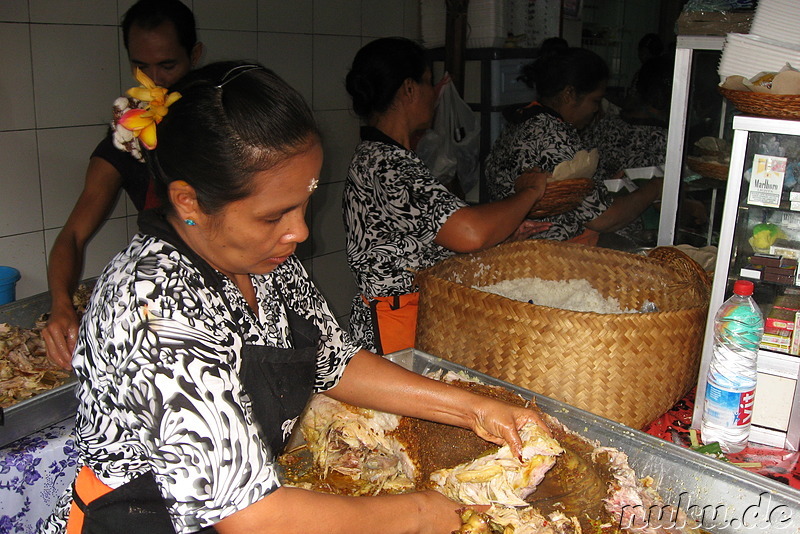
(743, 288)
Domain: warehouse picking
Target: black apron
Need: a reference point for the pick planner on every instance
(278, 381)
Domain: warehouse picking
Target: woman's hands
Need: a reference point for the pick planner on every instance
(534, 179)
(625, 209)
(527, 228)
(499, 422)
(371, 381)
(308, 512)
(60, 335)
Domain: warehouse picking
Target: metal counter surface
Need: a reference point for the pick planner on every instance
(723, 498)
(46, 408)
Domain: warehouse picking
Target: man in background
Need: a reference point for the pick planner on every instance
(161, 39)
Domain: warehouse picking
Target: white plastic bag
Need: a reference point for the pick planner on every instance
(451, 147)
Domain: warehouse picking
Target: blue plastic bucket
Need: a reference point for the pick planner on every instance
(8, 284)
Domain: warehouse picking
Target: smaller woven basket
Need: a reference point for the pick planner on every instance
(628, 367)
(709, 169)
(764, 104)
(561, 197)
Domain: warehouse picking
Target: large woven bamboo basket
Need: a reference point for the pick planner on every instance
(630, 367)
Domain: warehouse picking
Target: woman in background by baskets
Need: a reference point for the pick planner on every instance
(637, 135)
(398, 217)
(570, 84)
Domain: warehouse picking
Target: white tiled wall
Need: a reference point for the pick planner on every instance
(63, 63)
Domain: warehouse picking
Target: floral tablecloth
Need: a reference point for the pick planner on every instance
(34, 472)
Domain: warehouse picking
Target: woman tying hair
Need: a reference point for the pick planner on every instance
(570, 85)
(205, 337)
(398, 217)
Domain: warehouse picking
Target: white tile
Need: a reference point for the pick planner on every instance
(226, 14)
(63, 158)
(283, 16)
(14, 11)
(305, 250)
(74, 11)
(26, 253)
(126, 78)
(327, 226)
(110, 238)
(337, 17)
(75, 74)
(340, 135)
(333, 279)
(124, 5)
(382, 18)
(412, 24)
(16, 80)
(20, 203)
(129, 208)
(333, 56)
(131, 227)
(307, 266)
(223, 45)
(289, 55)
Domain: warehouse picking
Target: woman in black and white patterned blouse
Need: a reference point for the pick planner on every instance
(398, 217)
(570, 85)
(205, 338)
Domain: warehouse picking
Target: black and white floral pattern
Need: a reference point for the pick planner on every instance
(626, 144)
(393, 209)
(543, 141)
(158, 362)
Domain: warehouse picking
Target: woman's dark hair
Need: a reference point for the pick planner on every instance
(650, 46)
(233, 119)
(378, 71)
(150, 14)
(553, 44)
(576, 67)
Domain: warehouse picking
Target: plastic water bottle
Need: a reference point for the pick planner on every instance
(731, 381)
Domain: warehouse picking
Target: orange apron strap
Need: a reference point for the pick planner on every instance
(588, 237)
(87, 488)
(394, 321)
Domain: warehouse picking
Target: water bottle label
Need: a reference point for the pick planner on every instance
(728, 408)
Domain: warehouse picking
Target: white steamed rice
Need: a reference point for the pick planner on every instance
(574, 295)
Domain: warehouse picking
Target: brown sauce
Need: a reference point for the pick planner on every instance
(576, 485)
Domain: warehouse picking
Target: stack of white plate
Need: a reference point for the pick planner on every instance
(748, 54)
(773, 41)
(778, 20)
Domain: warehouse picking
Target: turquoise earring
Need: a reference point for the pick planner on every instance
(190, 222)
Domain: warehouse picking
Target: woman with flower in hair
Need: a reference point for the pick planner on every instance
(205, 337)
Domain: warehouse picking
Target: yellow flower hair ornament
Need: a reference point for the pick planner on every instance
(137, 114)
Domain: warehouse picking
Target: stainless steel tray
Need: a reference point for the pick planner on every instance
(45, 409)
(722, 497)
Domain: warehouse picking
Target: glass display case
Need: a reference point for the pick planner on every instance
(697, 110)
(759, 240)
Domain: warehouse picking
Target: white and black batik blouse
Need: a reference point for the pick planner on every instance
(158, 362)
(393, 209)
(542, 139)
